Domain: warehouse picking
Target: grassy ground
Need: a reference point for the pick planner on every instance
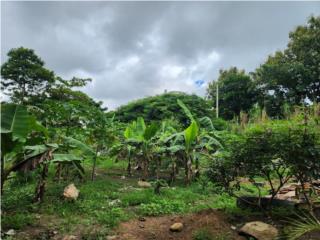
(104, 203)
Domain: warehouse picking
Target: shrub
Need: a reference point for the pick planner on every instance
(279, 149)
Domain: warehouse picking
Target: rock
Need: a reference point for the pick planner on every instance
(287, 195)
(176, 227)
(115, 202)
(11, 232)
(259, 230)
(142, 219)
(123, 177)
(69, 237)
(141, 226)
(233, 227)
(111, 237)
(144, 184)
(71, 192)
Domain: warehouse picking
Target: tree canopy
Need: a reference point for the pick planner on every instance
(292, 76)
(236, 92)
(24, 75)
(163, 106)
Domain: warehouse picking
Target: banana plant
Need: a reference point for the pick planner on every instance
(192, 140)
(73, 158)
(141, 137)
(18, 129)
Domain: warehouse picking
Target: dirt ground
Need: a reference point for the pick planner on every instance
(157, 228)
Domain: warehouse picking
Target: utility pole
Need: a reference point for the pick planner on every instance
(217, 101)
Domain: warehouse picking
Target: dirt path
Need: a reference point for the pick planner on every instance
(157, 228)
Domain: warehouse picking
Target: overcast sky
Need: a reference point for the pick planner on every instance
(137, 49)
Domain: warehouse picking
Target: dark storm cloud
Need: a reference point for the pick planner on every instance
(135, 49)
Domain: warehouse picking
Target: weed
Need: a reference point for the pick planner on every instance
(17, 221)
(162, 206)
(202, 234)
(110, 217)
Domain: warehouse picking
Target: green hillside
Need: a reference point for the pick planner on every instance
(163, 106)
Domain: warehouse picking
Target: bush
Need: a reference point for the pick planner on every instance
(278, 149)
(219, 124)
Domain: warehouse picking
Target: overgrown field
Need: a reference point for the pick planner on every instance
(166, 166)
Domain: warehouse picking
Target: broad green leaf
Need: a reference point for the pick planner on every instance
(141, 126)
(207, 123)
(186, 110)
(190, 134)
(151, 131)
(65, 157)
(88, 151)
(15, 119)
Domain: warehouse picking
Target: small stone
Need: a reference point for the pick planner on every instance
(55, 232)
(115, 202)
(113, 237)
(11, 232)
(141, 226)
(259, 230)
(71, 192)
(176, 227)
(142, 219)
(123, 177)
(69, 237)
(144, 184)
(233, 227)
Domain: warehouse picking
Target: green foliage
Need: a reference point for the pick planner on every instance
(273, 150)
(161, 207)
(301, 225)
(23, 75)
(110, 216)
(162, 107)
(17, 221)
(135, 198)
(292, 76)
(236, 92)
(191, 134)
(202, 234)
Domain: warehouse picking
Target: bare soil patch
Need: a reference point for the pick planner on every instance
(157, 228)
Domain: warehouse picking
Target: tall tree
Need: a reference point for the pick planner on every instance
(236, 92)
(292, 76)
(24, 75)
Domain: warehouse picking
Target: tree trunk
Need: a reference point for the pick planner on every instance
(145, 167)
(94, 164)
(39, 194)
(58, 172)
(173, 171)
(188, 170)
(129, 166)
(197, 170)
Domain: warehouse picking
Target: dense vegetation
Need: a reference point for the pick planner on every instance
(163, 106)
(53, 133)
